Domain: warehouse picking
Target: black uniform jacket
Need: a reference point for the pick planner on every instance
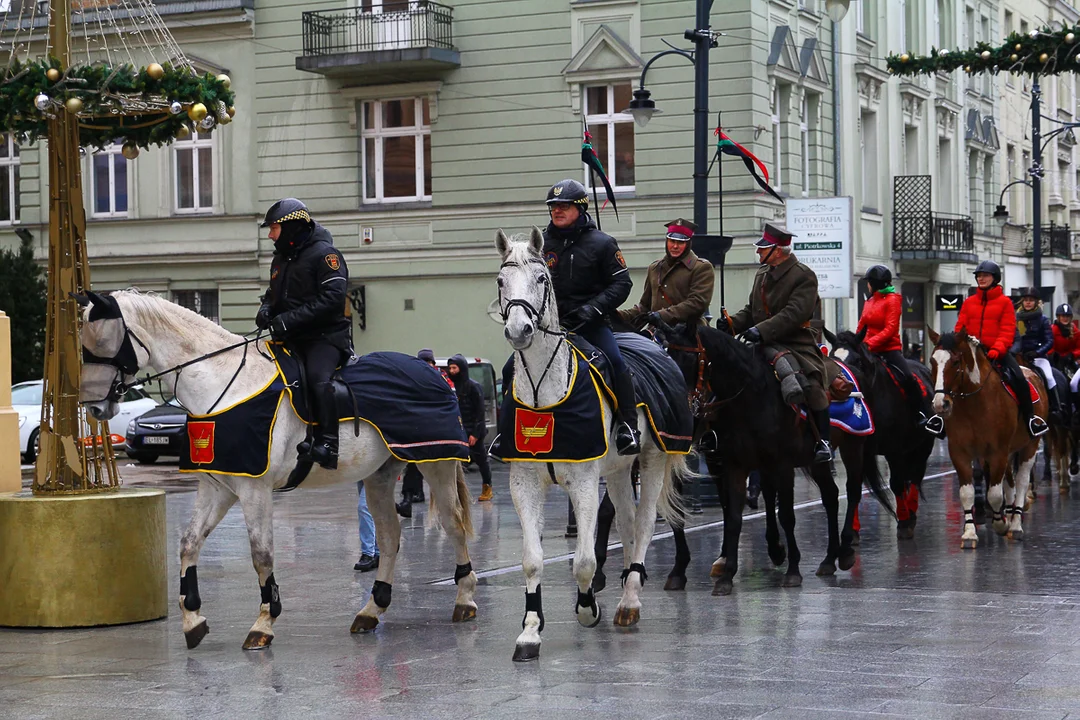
(586, 267)
(307, 289)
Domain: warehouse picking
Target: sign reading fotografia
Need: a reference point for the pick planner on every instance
(823, 230)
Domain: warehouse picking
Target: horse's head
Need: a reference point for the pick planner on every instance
(110, 359)
(850, 349)
(681, 342)
(953, 362)
(526, 299)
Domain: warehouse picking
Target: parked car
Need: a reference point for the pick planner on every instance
(483, 372)
(26, 399)
(161, 431)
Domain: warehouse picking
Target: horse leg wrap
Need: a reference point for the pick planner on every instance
(534, 604)
(969, 517)
(634, 567)
(189, 588)
(271, 596)
(587, 599)
(462, 571)
(380, 593)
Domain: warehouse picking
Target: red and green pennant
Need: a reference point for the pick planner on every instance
(729, 147)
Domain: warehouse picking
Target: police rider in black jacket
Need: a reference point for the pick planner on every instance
(305, 309)
(590, 280)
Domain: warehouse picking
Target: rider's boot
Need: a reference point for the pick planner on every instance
(627, 437)
(325, 448)
(822, 450)
(1055, 405)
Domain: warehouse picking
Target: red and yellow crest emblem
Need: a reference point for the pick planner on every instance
(534, 432)
(619, 257)
(201, 439)
(332, 261)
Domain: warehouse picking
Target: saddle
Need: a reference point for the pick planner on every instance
(1035, 397)
(897, 379)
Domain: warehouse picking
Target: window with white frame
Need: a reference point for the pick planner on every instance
(612, 133)
(804, 134)
(109, 182)
(203, 302)
(777, 141)
(396, 150)
(193, 160)
(9, 179)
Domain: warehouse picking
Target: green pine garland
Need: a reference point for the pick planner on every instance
(1042, 52)
(103, 118)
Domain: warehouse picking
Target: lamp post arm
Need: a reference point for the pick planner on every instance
(1001, 198)
(1054, 133)
(684, 53)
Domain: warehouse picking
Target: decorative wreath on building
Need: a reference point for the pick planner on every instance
(1040, 52)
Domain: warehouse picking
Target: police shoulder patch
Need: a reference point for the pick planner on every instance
(551, 259)
(332, 261)
(619, 257)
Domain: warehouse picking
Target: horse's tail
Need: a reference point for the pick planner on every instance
(670, 503)
(873, 480)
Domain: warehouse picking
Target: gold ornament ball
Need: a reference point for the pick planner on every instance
(155, 71)
(1069, 38)
(985, 55)
(905, 57)
(1018, 47)
(53, 74)
(197, 112)
(224, 119)
(967, 68)
(1043, 58)
(225, 80)
(231, 111)
(73, 105)
(183, 133)
(130, 151)
(1014, 57)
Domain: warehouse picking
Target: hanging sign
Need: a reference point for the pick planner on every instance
(823, 242)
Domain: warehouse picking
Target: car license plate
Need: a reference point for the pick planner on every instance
(155, 440)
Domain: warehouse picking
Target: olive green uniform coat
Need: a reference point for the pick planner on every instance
(679, 289)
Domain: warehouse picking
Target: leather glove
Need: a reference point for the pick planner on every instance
(1029, 356)
(993, 353)
(262, 319)
(753, 335)
(277, 328)
(586, 314)
(652, 318)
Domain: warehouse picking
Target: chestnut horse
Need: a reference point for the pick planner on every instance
(983, 425)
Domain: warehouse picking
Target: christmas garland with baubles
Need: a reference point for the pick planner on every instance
(1040, 52)
(146, 106)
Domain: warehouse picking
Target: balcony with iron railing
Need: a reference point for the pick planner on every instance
(415, 42)
(933, 237)
(1056, 242)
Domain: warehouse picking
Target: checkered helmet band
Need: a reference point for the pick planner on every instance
(295, 215)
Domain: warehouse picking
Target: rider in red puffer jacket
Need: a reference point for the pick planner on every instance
(989, 316)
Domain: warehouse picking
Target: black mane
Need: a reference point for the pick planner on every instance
(947, 341)
(737, 359)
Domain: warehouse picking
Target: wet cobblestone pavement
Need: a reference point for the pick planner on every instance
(917, 629)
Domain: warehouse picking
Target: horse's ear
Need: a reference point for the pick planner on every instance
(861, 335)
(829, 336)
(536, 241)
(934, 337)
(502, 243)
(82, 300)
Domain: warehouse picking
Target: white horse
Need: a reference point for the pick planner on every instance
(167, 335)
(542, 353)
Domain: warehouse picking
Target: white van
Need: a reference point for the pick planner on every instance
(483, 372)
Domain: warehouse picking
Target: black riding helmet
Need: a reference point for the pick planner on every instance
(1064, 309)
(991, 267)
(285, 210)
(1029, 292)
(878, 277)
(568, 191)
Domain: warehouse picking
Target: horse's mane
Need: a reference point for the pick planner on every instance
(157, 313)
(738, 358)
(847, 339)
(948, 341)
(518, 250)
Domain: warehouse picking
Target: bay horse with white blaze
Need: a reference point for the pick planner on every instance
(168, 336)
(983, 425)
(543, 357)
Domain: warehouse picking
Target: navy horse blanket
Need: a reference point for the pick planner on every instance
(404, 399)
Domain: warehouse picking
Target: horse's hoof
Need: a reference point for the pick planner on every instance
(599, 581)
(1016, 535)
(586, 619)
(462, 613)
(792, 581)
(778, 555)
(257, 640)
(1001, 528)
(526, 652)
(855, 539)
(846, 561)
(195, 635)
(718, 567)
(969, 543)
(723, 586)
(675, 582)
(826, 568)
(367, 623)
(905, 532)
(627, 617)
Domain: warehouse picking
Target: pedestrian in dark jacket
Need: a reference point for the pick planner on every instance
(305, 308)
(470, 397)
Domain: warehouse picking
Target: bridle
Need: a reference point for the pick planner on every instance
(537, 318)
(702, 387)
(955, 393)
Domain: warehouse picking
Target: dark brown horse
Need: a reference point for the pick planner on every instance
(983, 425)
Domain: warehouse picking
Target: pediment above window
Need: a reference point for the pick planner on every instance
(604, 57)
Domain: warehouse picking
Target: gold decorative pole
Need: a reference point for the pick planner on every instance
(71, 460)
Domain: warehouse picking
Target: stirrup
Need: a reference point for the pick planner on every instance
(627, 440)
(709, 442)
(326, 456)
(936, 426)
(822, 452)
(1037, 426)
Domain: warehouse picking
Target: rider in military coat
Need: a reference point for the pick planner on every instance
(678, 286)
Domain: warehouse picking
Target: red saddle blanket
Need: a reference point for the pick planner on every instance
(1031, 388)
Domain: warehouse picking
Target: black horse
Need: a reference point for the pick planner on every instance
(898, 438)
(757, 430)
